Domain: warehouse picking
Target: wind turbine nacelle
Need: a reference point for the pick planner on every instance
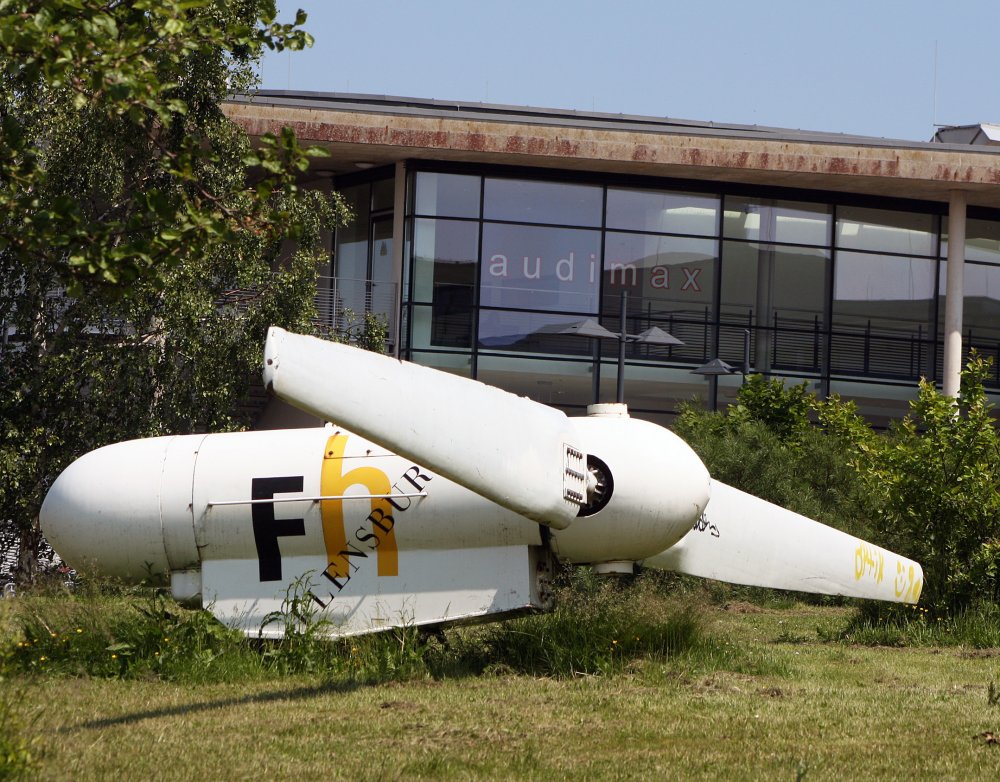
(446, 508)
(168, 504)
(145, 508)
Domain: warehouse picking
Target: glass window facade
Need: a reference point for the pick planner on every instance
(352, 250)
(534, 201)
(789, 222)
(883, 308)
(365, 273)
(848, 297)
(662, 211)
(779, 293)
(443, 280)
(981, 284)
(446, 195)
(670, 282)
(881, 230)
(982, 241)
(528, 267)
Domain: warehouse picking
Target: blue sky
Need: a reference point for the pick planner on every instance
(853, 66)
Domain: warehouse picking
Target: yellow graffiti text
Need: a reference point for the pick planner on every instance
(908, 584)
(869, 561)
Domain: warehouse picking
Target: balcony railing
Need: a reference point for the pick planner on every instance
(342, 303)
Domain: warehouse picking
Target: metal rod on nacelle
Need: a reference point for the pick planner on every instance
(212, 503)
(622, 338)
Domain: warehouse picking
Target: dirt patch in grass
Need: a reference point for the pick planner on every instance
(739, 607)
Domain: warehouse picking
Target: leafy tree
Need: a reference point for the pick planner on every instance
(152, 74)
(124, 185)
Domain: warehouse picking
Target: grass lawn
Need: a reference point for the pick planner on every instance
(792, 708)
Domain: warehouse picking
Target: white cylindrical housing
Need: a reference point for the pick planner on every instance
(104, 510)
(146, 507)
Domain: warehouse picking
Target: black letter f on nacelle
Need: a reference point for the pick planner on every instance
(267, 529)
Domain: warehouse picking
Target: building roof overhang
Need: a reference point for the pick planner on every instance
(371, 130)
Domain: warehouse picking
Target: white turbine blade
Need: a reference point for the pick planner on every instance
(743, 539)
(520, 454)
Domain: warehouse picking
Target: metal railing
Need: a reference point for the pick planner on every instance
(862, 350)
(804, 344)
(342, 303)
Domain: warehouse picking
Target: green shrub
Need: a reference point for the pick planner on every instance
(767, 445)
(783, 410)
(932, 489)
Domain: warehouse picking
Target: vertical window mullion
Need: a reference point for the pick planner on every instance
(477, 292)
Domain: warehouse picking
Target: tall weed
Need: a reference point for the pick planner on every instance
(598, 627)
(18, 754)
(303, 646)
(977, 627)
(121, 635)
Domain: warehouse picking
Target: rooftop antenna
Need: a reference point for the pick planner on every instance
(934, 88)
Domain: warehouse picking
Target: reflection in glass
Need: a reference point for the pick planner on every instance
(670, 273)
(557, 383)
(768, 220)
(533, 332)
(670, 283)
(381, 270)
(529, 267)
(896, 292)
(445, 254)
(880, 403)
(662, 211)
(882, 310)
(530, 201)
(446, 195)
(381, 296)
(981, 310)
(982, 241)
(652, 390)
(351, 252)
(780, 294)
(881, 230)
(456, 363)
